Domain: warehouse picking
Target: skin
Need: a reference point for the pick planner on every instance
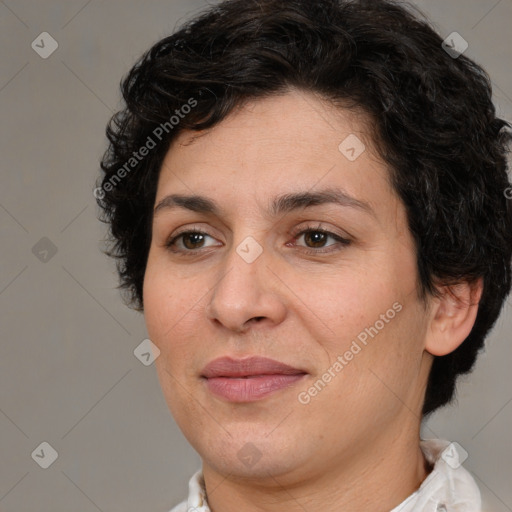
(355, 445)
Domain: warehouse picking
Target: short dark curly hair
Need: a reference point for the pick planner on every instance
(433, 119)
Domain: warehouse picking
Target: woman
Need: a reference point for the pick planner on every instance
(308, 203)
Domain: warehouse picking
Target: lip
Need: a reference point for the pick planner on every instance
(249, 379)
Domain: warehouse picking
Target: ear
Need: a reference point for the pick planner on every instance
(452, 317)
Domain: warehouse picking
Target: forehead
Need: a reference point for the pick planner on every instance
(268, 147)
(290, 118)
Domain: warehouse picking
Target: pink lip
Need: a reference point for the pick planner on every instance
(249, 379)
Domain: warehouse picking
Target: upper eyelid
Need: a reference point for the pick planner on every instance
(298, 231)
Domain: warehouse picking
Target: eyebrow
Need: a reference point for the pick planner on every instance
(279, 205)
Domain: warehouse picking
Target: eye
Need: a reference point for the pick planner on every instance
(188, 241)
(192, 241)
(316, 238)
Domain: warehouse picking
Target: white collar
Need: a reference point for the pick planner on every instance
(448, 488)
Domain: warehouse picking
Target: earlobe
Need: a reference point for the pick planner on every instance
(452, 317)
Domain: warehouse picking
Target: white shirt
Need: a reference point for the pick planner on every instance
(448, 488)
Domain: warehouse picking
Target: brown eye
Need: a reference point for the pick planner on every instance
(188, 242)
(315, 238)
(315, 241)
(191, 240)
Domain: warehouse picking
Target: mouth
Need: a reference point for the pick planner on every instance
(249, 379)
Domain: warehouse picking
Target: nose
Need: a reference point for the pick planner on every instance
(245, 293)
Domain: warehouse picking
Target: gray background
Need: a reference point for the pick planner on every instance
(68, 375)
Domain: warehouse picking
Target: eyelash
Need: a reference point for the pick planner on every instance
(310, 229)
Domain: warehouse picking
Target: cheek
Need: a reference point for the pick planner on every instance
(372, 382)
(377, 327)
(168, 315)
(158, 303)
(341, 307)
(172, 315)
(182, 402)
(388, 366)
(165, 301)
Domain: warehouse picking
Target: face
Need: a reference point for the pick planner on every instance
(299, 252)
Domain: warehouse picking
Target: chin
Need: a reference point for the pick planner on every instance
(252, 456)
